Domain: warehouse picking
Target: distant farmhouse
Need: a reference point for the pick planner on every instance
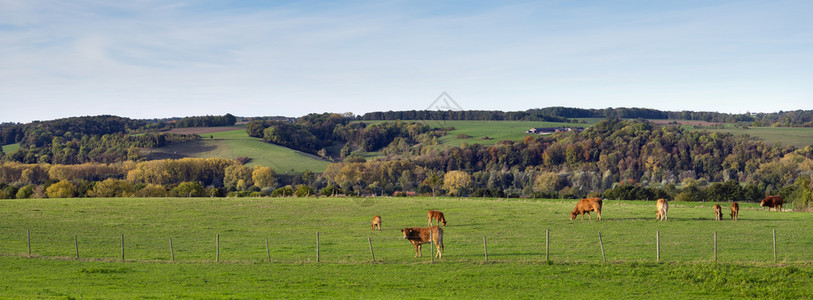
(549, 130)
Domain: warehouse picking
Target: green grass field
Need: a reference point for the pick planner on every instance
(236, 143)
(799, 137)
(515, 232)
(495, 131)
(11, 148)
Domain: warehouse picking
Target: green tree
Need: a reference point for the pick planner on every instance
(434, 180)
(303, 191)
(189, 189)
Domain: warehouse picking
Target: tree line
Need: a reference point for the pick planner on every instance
(797, 118)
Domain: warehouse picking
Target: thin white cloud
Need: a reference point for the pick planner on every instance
(128, 58)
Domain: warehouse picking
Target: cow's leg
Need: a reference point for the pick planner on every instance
(598, 212)
(589, 217)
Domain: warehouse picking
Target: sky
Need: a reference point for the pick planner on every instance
(157, 59)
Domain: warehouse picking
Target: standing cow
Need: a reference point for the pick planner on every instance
(772, 201)
(586, 206)
(437, 215)
(735, 211)
(418, 236)
(376, 223)
(663, 209)
(718, 212)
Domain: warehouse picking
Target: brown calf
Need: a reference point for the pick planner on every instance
(418, 236)
(718, 212)
(772, 202)
(663, 208)
(586, 206)
(735, 211)
(376, 223)
(437, 215)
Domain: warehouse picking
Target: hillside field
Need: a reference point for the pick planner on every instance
(235, 143)
(514, 230)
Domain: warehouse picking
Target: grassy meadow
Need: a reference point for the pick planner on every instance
(514, 230)
(795, 136)
(235, 143)
(11, 148)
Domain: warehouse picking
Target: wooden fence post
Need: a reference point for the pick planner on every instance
(370, 241)
(603, 258)
(267, 250)
(28, 237)
(485, 248)
(547, 245)
(774, 246)
(171, 250)
(76, 245)
(317, 246)
(658, 245)
(122, 247)
(715, 246)
(217, 246)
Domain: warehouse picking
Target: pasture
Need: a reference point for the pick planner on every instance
(515, 232)
(795, 136)
(235, 143)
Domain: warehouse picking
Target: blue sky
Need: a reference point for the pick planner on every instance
(155, 59)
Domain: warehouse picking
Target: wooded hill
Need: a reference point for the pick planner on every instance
(633, 159)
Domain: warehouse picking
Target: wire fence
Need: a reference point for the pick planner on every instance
(765, 246)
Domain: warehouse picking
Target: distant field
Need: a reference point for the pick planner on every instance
(515, 232)
(799, 137)
(11, 148)
(496, 131)
(235, 143)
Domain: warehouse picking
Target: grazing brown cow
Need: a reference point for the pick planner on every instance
(718, 212)
(376, 223)
(585, 206)
(434, 214)
(418, 236)
(772, 201)
(735, 211)
(663, 208)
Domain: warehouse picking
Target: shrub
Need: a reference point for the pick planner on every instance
(25, 192)
(62, 189)
(189, 189)
(285, 191)
(303, 191)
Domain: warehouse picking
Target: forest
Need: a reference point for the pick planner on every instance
(618, 158)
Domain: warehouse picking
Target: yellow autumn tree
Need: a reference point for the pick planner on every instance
(263, 177)
(62, 189)
(456, 182)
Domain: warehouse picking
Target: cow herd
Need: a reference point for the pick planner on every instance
(585, 206)
(423, 235)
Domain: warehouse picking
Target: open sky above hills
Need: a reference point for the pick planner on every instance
(154, 59)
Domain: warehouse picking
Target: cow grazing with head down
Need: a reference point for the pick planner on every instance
(663, 208)
(437, 215)
(376, 223)
(423, 235)
(718, 212)
(772, 201)
(735, 211)
(586, 206)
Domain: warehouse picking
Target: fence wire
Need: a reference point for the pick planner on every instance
(389, 246)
